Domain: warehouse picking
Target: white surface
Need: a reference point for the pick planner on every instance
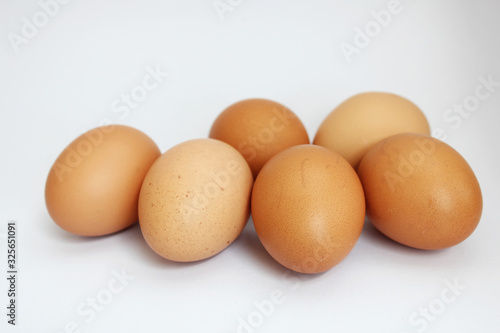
(64, 80)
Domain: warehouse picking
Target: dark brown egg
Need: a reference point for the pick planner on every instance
(308, 208)
(420, 192)
(259, 129)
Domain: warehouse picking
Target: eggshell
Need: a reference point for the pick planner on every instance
(194, 201)
(308, 208)
(259, 129)
(93, 187)
(364, 119)
(420, 192)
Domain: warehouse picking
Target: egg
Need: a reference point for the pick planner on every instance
(364, 119)
(194, 201)
(259, 129)
(420, 192)
(93, 187)
(308, 208)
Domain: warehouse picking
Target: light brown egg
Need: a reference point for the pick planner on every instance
(364, 119)
(308, 208)
(420, 192)
(259, 129)
(194, 201)
(93, 187)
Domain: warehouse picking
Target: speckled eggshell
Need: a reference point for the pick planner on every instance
(364, 119)
(259, 129)
(93, 187)
(194, 201)
(308, 208)
(420, 192)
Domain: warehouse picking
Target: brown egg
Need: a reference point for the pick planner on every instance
(420, 192)
(93, 187)
(194, 201)
(259, 129)
(308, 208)
(364, 119)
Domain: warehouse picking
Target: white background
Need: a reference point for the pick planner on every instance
(64, 79)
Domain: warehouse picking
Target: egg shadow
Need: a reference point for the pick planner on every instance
(374, 236)
(250, 242)
(133, 235)
(55, 232)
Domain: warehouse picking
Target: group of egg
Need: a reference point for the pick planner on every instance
(372, 155)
